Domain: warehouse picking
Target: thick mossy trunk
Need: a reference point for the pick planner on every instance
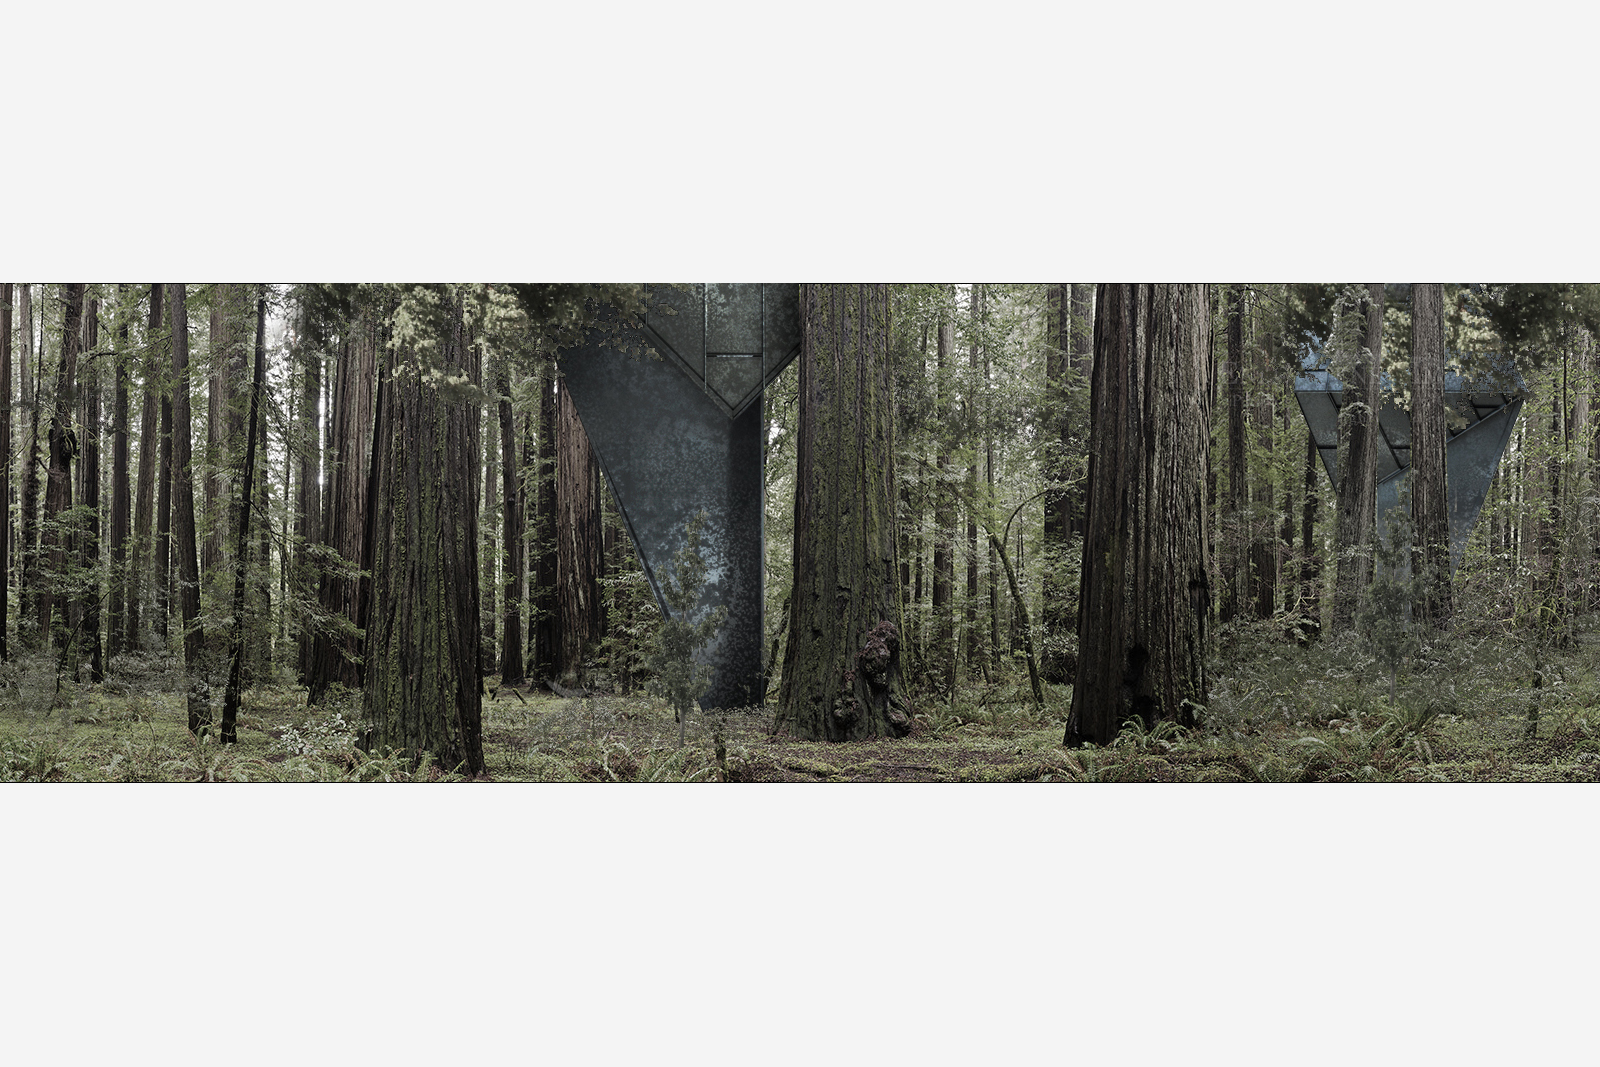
(842, 671)
(1144, 589)
(422, 643)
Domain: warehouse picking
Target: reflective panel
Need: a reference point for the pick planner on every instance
(682, 434)
(1480, 415)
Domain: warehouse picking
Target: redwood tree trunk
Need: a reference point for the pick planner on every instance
(942, 653)
(28, 494)
(308, 499)
(578, 541)
(1355, 524)
(511, 657)
(545, 624)
(842, 672)
(5, 466)
(1235, 569)
(89, 468)
(183, 531)
(235, 689)
(121, 580)
(1430, 502)
(421, 693)
(1144, 589)
(56, 542)
(336, 654)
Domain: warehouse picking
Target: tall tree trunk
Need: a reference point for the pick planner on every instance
(842, 673)
(1144, 587)
(163, 543)
(1263, 537)
(258, 665)
(1235, 570)
(421, 694)
(5, 466)
(89, 468)
(308, 500)
(1356, 522)
(970, 417)
(233, 695)
(942, 654)
(122, 586)
(1060, 501)
(489, 558)
(56, 542)
(546, 623)
(511, 657)
(337, 655)
(1430, 502)
(225, 426)
(577, 543)
(28, 493)
(183, 528)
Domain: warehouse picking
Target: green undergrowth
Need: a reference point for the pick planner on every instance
(1279, 713)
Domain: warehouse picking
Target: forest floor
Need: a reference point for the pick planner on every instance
(1278, 713)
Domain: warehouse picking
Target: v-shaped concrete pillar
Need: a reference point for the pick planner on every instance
(681, 434)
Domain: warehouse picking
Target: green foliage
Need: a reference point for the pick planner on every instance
(678, 679)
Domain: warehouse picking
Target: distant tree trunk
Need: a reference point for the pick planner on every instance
(89, 469)
(5, 466)
(1235, 570)
(122, 585)
(1263, 538)
(225, 426)
(308, 501)
(578, 541)
(942, 654)
(163, 544)
(1144, 587)
(1310, 572)
(842, 671)
(490, 556)
(1059, 617)
(337, 656)
(258, 664)
(511, 657)
(28, 494)
(1430, 502)
(546, 612)
(422, 690)
(56, 542)
(247, 473)
(1356, 522)
(970, 417)
(183, 531)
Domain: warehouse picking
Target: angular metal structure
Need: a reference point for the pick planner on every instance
(1480, 415)
(682, 434)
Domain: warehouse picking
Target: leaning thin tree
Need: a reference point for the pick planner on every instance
(842, 673)
(1144, 588)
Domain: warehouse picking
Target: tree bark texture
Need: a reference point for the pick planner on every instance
(1144, 589)
(5, 465)
(56, 541)
(1355, 524)
(1430, 502)
(28, 494)
(489, 556)
(336, 654)
(230, 347)
(89, 469)
(942, 651)
(308, 494)
(233, 694)
(578, 542)
(1235, 569)
(183, 513)
(511, 656)
(121, 496)
(842, 676)
(545, 618)
(422, 690)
